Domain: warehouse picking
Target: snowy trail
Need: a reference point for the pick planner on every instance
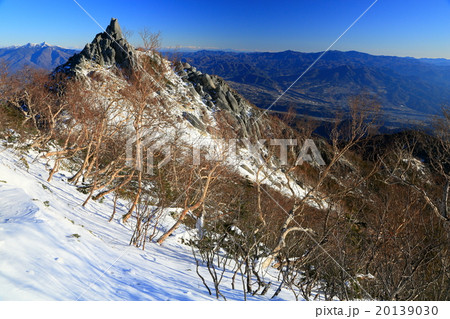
(52, 248)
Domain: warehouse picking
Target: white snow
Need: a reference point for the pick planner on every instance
(52, 248)
(180, 100)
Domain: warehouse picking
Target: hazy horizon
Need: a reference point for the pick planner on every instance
(401, 28)
(190, 49)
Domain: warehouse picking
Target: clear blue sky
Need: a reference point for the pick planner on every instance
(419, 28)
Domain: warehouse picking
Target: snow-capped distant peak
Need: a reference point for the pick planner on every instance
(34, 45)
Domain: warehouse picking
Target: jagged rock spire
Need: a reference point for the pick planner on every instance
(107, 48)
(114, 29)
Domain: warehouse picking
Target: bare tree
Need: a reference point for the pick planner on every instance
(205, 176)
(344, 136)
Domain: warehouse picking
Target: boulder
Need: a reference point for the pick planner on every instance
(208, 82)
(191, 118)
(232, 101)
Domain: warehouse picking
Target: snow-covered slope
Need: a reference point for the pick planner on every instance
(180, 101)
(52, 248)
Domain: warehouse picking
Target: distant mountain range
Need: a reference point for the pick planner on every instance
(43, 56)
(410, 90)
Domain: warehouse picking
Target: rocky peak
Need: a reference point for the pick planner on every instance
(217, 94)
(108, 48)
(114, 29)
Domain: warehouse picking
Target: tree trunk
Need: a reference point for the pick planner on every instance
(136, 199)
(191, 208)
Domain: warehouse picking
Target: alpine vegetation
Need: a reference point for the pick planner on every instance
(128, 176)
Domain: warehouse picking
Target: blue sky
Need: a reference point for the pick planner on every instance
(419, 28)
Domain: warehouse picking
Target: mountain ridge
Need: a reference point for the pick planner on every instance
(40, 56)
(223, 181)
(409, 89)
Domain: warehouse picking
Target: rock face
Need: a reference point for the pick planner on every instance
(107, 48)
(216, 93)
(111, 49)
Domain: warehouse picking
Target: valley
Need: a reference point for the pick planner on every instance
(127, 174)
